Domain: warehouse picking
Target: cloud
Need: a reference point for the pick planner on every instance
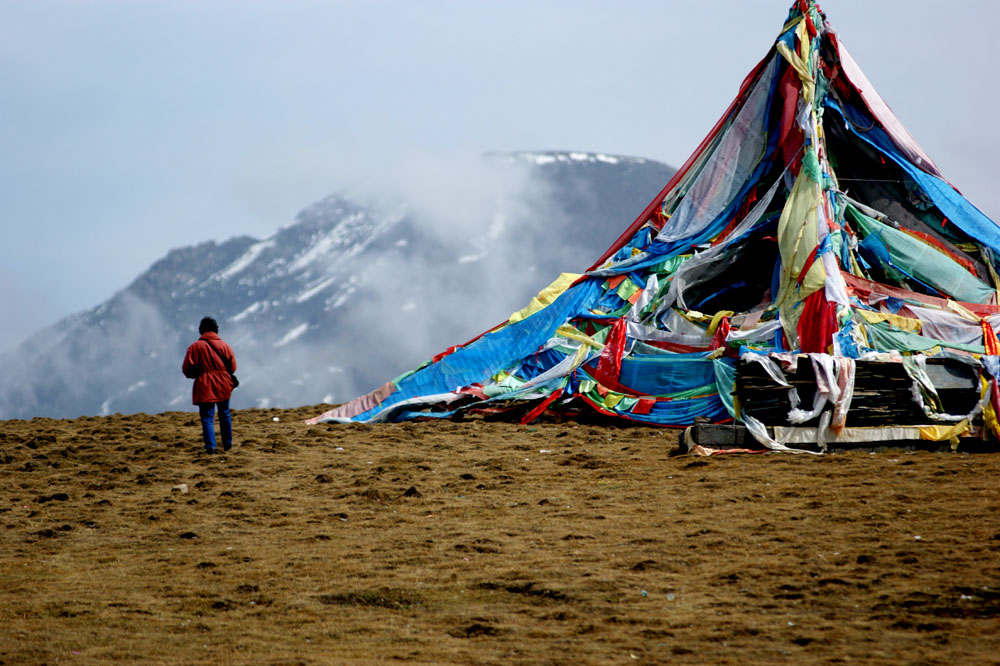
(24, 305)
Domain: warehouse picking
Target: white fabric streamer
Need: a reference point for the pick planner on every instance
(728, 168)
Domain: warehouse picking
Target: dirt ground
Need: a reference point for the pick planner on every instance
(474, 542)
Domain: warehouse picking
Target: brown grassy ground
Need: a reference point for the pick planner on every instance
(476, 542)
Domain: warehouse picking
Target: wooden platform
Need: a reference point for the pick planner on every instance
(882, 392)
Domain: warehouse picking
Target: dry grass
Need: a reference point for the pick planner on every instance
(475, 542)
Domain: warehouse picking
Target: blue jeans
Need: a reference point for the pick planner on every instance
(207, 410)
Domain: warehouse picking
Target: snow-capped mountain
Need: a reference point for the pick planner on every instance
(358, 289)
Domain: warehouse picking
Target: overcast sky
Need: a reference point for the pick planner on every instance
(130, 127)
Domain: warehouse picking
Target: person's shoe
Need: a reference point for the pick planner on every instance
(209, 451)
(226, 447)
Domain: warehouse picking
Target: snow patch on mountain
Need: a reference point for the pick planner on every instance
(256, 307)
(312, 291)
(553, 157)
(246, 260)
(292, 335)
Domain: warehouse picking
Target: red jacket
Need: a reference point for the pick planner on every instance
(211, 378)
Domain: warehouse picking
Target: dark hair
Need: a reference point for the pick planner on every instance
(208, 325)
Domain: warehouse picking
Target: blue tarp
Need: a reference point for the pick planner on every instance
(494, 351)
(666, 374)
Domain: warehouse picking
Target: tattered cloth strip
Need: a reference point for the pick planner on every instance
(941, 433)
(546, 296)
(990, 341)
(948, 324)
(845, 386)
(357, 406)
(865, 289)
(541, 407)
(699, 450)
(817, 324)
(802, 435)
(610, 366)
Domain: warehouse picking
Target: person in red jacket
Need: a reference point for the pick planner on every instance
(206, 363)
